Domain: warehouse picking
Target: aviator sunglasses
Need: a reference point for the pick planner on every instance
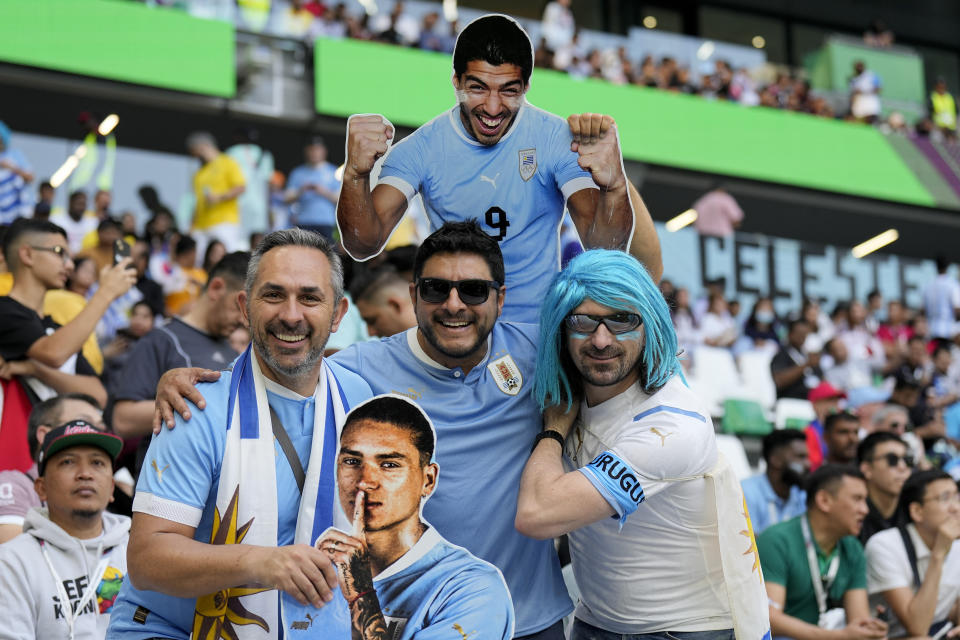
(437, 290)
(615, 323)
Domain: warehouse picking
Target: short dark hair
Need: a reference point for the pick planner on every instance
(109, 223)
(828, 478)
(368, 282)
(916, 486)
(297, 237)
(184, 244)
(495, 39)
(869, 444)
(142, 303)
(793, 324)
(941, 346)
(840, 416)
(461, 237)
(778, 439)
(20, 228)
(232, 268)
(46, 413)
(399, 412)
(76, 194)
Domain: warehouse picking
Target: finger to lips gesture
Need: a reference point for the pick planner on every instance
(368, 138)
(595, 139)
(349, 552)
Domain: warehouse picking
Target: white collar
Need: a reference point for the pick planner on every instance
(284, 392)
(422, 356)
(429, 539)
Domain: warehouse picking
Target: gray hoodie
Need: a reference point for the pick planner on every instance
(45, 565)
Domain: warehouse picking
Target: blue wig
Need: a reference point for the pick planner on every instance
(613, 279)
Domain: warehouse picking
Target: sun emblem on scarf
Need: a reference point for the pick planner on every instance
(748, 532)
(219, 613)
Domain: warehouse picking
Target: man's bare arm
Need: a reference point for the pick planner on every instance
(163, 556)
(55, 379)
(367, 218)
(584, 206)
(55, 349)
(605, 216)
(133, 418)
(551, 501)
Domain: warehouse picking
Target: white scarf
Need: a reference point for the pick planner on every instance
(247, 495)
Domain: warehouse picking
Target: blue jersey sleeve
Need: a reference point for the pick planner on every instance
(567, 173)
(183, 464)
(476, 605)
(616, 481)
(404, 163)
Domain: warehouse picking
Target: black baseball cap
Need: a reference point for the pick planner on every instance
(75, 433)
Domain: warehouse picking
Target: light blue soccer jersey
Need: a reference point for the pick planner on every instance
(181, 475)
(516, 188)
(435, 591)
(486, 421)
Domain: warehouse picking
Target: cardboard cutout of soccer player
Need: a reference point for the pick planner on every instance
(399, 579)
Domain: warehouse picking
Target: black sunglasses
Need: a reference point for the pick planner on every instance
(437, 290)
(893, 459)
(615, 323)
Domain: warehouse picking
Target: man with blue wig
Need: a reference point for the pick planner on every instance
(659, 534)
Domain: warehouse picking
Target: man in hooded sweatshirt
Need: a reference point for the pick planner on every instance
(59, 578)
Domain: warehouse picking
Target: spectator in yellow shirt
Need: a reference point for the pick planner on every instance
(217, 184)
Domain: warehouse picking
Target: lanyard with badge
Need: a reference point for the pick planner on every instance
(832, 618)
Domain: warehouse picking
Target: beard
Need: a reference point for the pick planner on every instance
(455, 351)
(309, 361)
(793, 475)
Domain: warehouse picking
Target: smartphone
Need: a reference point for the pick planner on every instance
(943, 630)
(121, 250)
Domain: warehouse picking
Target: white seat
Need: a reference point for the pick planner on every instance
(792, 408)
(758, 384)
(732, 449)
(715, 377)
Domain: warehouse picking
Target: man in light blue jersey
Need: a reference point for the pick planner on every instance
(497, 158)
(204, 567)
(400, 579)
(471, 373)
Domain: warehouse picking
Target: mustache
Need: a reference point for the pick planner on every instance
(606, 352)
(279, 326)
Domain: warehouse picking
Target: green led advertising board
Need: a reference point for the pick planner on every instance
(120, 40)
(410, 87)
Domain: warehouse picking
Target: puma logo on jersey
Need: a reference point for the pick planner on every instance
(492, 181)
(662, 435)
(158, 470)
(464, 634)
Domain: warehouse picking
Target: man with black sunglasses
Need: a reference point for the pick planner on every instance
(886, 463)
(627, 465)
(471, 373)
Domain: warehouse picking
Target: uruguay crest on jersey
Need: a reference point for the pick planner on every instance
(528, 163)
(506, 375)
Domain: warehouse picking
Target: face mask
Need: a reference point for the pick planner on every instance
(764, 317)
(794, 473)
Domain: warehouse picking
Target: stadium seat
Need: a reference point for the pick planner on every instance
(715, 377)
(757, 380)
(732, 449)
(793, 413)
(745, 418)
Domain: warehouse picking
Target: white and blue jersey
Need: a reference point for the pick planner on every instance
(179, 482)
(516, 188)
(486, 421)
(648, 455)
(435, 591)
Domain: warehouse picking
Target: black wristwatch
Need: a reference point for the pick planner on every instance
(547, 433)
